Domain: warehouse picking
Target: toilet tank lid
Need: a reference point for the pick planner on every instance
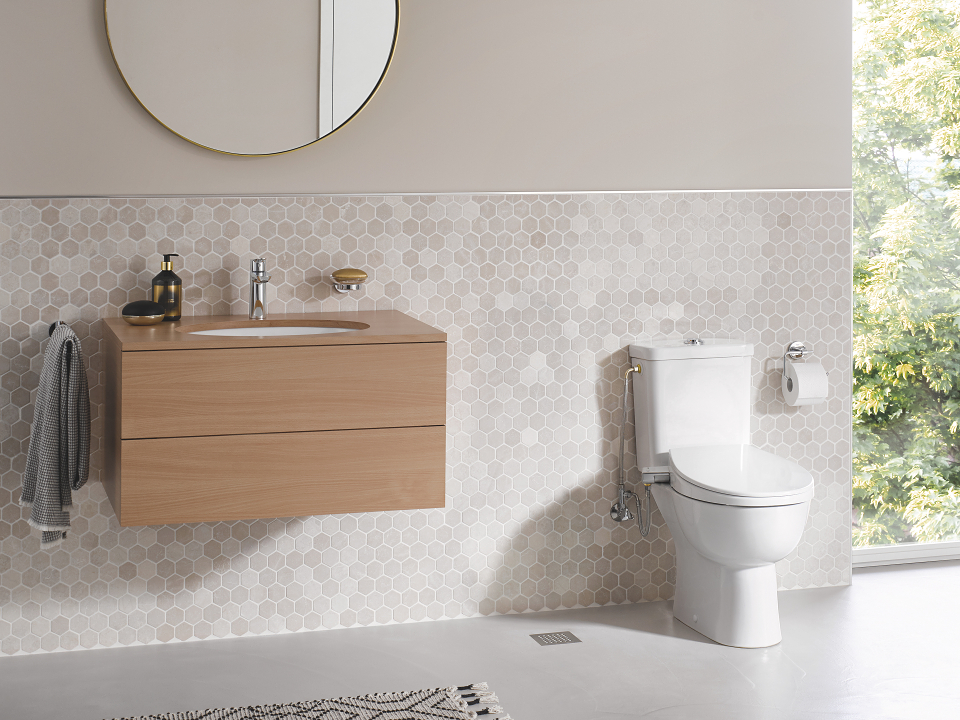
(677, 349)
(742, 470)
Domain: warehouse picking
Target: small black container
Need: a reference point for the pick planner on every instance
(143, 312)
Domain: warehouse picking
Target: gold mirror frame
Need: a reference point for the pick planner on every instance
(393, 47)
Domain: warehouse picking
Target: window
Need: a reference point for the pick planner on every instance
(906, 200)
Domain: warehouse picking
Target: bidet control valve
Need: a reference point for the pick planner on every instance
(657, 474)
(348, 279)
(620, 510)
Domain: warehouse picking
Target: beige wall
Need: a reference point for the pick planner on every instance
(483, 95)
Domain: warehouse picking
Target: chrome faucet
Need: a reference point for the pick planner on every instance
(258, 289)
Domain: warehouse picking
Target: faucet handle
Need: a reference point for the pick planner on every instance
(258, 271)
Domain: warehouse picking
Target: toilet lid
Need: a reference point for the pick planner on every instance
(742, 471)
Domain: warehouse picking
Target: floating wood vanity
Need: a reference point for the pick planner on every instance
(203, 428)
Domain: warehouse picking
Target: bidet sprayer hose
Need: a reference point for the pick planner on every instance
(624, 495)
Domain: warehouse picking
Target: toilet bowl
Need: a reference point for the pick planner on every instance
(733, 512)
(733, 509)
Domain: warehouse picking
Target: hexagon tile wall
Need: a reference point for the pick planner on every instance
(540, 295)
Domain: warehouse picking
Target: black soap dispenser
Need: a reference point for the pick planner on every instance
(168, 289)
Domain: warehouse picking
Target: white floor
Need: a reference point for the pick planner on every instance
(887, 647)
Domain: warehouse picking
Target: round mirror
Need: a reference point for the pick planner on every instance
(252, 77)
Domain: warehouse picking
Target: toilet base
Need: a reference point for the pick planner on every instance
(726, 578)
(732, 606)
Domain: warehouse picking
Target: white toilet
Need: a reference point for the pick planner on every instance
(733, 510)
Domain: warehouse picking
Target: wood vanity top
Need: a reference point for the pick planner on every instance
(385, 327)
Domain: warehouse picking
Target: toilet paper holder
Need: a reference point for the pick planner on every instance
(795, 351)
(812, 378)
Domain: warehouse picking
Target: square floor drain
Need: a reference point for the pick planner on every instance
(558, 638)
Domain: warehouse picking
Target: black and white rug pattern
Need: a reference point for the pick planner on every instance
(468, 702)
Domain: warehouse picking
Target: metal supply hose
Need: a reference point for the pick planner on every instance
(620, 510)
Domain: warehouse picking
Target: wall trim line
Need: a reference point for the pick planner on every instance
(419, 193)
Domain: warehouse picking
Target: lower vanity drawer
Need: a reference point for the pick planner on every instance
(240, 477)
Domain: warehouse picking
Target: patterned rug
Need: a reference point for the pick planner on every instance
(469, 702)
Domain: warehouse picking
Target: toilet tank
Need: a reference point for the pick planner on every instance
(690, 395)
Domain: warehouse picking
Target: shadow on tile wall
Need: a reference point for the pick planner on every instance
(539, 294)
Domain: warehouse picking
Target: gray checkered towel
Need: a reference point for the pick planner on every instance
(59, 457)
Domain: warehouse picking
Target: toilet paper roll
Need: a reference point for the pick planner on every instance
(804, 383)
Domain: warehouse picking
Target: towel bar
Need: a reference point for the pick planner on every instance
(53, 326)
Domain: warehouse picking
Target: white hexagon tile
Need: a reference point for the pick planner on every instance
(540, 296)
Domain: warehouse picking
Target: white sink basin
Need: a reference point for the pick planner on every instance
(271, 327)
(273, 331)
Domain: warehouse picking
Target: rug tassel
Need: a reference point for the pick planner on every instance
(496, 709)
(469, 696)
(479, 695)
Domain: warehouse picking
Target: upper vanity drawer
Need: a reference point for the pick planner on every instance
(178, 393)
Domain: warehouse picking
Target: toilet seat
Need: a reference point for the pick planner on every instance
(741, 475)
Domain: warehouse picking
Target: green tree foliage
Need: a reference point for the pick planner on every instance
(906, 180)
